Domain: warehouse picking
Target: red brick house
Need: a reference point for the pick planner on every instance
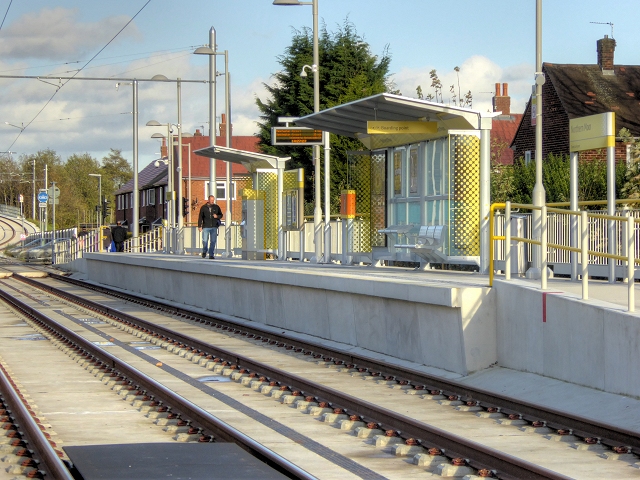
(153, 181)
(573, 91)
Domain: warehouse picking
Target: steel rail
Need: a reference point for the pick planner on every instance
(29, 429)
(554, 418)
(480, 456)
(180, 405)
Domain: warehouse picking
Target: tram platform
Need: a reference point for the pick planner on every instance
(452, 323)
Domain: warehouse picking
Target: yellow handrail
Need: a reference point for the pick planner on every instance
(501, 205)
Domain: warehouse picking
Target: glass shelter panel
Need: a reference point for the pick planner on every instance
(413, 171)
(397, 172)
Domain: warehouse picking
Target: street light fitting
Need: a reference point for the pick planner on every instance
(313, 68)
(160, 78)
(155, 123)
(158, 135)
(288, 3)
(16, 126)
(204, 51)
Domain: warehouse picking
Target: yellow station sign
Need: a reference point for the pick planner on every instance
(388, 127)
(594, 131)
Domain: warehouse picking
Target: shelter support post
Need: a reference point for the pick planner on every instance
(485, 193)
(573, 199)
(327, 198)
(612, 239)
(282, 248)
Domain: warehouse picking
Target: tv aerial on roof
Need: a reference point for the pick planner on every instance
(605, 23)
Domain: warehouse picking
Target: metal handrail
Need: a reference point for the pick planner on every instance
(582, 250)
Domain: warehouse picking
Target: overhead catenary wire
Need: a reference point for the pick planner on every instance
(155, 53)
(5, 14)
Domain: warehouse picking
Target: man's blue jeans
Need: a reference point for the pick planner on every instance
(206, 234)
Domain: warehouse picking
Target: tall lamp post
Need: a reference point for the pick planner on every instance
(317, 211)
(162, 78)
(539, 194)
(136, 189)
(99, 196)
(227, 106)
(188, 135)
(170, 181)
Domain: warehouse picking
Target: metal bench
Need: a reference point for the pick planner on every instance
(429, 242)
(395, 234)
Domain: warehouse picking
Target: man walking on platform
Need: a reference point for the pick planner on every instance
(208, 223)
(119, 235)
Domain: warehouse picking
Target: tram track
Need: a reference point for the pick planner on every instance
(388, 422)
(25, 444)
(134, 385)
(614, 437)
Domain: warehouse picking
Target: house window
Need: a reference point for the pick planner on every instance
(221, 190)
(527, 157)
(151, 196)
(143, 198)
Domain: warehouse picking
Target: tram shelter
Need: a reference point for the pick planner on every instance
(436, 176)
(262, 218)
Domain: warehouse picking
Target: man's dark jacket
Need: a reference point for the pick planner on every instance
(205, 217)
(119, 234)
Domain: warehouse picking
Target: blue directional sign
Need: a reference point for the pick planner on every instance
(43, 197)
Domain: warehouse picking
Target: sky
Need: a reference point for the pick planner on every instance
(491, 41)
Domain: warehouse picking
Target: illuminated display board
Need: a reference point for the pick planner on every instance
(295, 136)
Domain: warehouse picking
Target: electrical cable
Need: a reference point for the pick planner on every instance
(5, 14)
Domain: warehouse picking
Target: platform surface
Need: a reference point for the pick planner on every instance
(599, 290)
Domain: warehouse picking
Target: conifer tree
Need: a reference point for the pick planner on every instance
(348, 71)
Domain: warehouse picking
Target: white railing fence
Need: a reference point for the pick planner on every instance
(559, 232)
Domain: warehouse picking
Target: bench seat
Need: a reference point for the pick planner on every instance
(430, 239)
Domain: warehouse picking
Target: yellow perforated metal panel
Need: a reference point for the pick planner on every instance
(240, 184)
(359, 179)
(268, 182)
(378, 198)
(464, 237)
(290, 180)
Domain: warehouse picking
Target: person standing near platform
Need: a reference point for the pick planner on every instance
(208, 223)
(119, 235)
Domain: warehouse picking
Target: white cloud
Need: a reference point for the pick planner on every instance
(55, 34)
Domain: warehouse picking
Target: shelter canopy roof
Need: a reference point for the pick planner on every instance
(350, 119)
(252, 161)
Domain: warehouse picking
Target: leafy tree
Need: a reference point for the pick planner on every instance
(631, 187)
(116, 169)
(10, 180)
(35, 164)
(516, 183)
(348, 72)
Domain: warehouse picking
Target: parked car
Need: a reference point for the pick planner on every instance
(42, 254)
(19, 248)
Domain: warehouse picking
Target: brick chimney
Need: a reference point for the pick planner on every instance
(163, 148)
(606, 47)
(223, 126)
(198, 133)
(502, 103)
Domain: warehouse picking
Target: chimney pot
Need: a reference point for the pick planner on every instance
(497, 89)
(505, 89)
